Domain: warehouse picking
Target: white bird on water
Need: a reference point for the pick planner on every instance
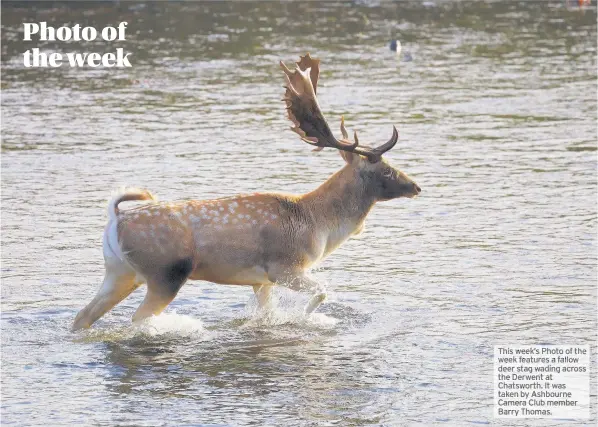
(395, 46)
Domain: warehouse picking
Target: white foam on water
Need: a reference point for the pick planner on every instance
(322, 319)
(275, 317)
(171, 324)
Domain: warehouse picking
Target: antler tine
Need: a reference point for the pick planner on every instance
(388, 144)
(346, 136)
(288, 72)
(343, 129)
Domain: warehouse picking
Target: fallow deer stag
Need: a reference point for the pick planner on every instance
(261, 239)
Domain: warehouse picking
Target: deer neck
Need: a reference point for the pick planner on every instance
(339, 206)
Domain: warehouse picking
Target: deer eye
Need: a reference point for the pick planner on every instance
(387, 173)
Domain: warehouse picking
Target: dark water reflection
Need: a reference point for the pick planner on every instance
(497, 117)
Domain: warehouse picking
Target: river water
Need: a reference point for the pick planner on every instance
(496, 108)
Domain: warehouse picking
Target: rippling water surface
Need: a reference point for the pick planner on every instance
(497, 115)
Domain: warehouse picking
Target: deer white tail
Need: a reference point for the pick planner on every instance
(111, 244)
(125, 195)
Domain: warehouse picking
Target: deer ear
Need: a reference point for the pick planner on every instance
(348, 156)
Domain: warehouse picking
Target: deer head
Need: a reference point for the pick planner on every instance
(381, 179)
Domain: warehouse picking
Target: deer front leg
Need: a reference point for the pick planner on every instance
(301, 282)
(263, 293)
(315, 302)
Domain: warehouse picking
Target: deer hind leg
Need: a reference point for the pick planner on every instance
(119, 282)
(162, 289)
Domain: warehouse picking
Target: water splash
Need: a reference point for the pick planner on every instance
(287, 309)
(164, 326)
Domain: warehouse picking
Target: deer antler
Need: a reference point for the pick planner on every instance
(309, 122)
